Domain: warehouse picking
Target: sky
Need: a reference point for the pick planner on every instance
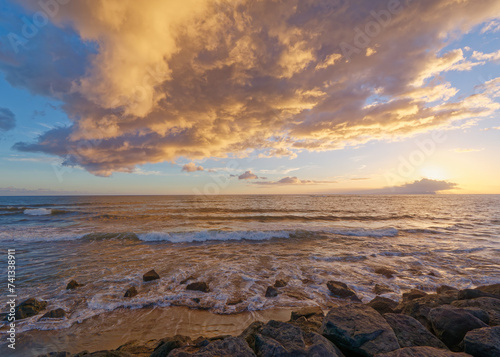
(249, 97)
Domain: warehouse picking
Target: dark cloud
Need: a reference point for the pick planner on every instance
(154, 81)
(293, 181)
(7, 119)
(424, 186)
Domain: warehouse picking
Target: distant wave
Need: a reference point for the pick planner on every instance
(37, 211)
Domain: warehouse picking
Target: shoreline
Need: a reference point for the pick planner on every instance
(441, 324)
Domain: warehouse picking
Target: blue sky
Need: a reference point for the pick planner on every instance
(142, 103)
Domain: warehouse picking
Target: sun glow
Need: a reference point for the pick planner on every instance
(434, 173)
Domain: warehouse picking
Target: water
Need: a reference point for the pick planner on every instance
(240, 245)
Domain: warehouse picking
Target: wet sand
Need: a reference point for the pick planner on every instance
(111, 330)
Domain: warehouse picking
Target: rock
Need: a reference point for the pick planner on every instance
(388, 273)
(138, 348)
(282, 339)
(380, 289)
(249, 334)
(383, 305)
(490, 289)
(198, 286)
(280, 284)
(150, 275)
(235, 301)
(413, 294)
(307, 312)
(466, 294)
(166, 345)
(341, 290)
(445, 288)
(104, 354)
(56, 354)
(359, 329)
(450, 324)
(72, 285)
(488, 304)
(309, 319)
(184, 281)
(483, 342)
(422, 352)
(420, 308)
(131, 292)
(54, 314)
(229, 346)
(196, 300)
(411, 333)
(271, 292)
(28, 308)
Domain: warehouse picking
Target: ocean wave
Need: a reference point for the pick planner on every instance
(362, 232)
(204, 236)
(110, 236)
(37, 211)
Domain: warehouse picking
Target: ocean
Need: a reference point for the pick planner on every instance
(239, 245)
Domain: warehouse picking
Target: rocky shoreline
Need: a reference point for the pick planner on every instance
(447, 323)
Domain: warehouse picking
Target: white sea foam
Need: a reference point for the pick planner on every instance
(204, 236)
(37, 211)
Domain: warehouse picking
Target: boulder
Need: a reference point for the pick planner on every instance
(380, 289)
(388, 273)
(56, 354)
(422, 352)
(131, 292)
(104, 354)
(359, 329)
(166, 345)
(283, 339)
(466, 294)
(249, 334)
(450, 324)
(490, 289)
(309, 319)
(150, 276)
(72, 285)
(28, 308)
(184, 281)
(411, 333)
(413, 294)
(138, 348)
(483, 342)
(229, 346)
(280, 283)
(307, 312)
(445, 288)
(198, 286)
(488, 304)
(420, 308)
(54, 314)
(383, 305)
(271, 292)
(341, 290)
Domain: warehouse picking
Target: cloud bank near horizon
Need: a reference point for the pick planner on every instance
(156, 81)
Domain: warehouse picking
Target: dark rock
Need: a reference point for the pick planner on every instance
(283, 339)
(280, 284)
(388, 273)
(150, 275)
(341, 290)
(359, 329)
(235, 301)
(411, 333)
(72, 285)
(166, 345)
(490, 289)
(198, 286)
(380, 289)
(467, 294)
(383, 305)
(138, 348)
(422, 351)
(445, 288)
(450, 324)
(271, 292)
(56, 354)
(230, 346)
(483, 342)
(196, 300)
(54, 314)
(249, 334)
(309, 319)
(28, 308)
(413, 294)
(488, 304)
(420, 308)
(131, 292)
(105, 354)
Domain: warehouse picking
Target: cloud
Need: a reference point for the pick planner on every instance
(466, 150)
(7, 119)
(192, 167)
(163, 80)
(360, 178)
(293, 181)
(16, 191)
(492, 26)
(248, 175)
(491, 57)
(423, 186)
